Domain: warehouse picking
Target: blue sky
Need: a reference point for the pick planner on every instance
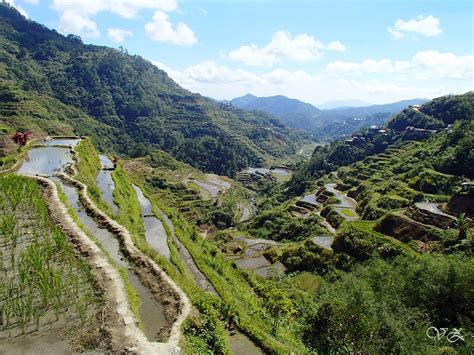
(316, 51)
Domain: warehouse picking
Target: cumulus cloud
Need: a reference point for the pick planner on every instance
(426, 74)
(76, 17)
(382, 66)
(123, 8)
(77, 23)
(423, 65)
(444, 65)
(283, 46)
(209, 72)
(161, 30)
(118, 35)
(426, 26)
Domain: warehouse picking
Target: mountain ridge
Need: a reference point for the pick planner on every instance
(323, 124)
(130, 96)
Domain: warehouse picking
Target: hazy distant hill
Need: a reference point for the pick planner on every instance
(295, 113)
(342, 104)
(343, 113)
(323, 123)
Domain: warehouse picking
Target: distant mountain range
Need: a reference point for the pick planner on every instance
(328, 123)
(342, 104)
(295, 113)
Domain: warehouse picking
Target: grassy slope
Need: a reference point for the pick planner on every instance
(125, 197)
(87, 170)
(130, 216)
(398, 178)
(238, 288)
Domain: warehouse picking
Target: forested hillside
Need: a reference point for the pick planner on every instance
(449, 148)
(295, 113)
(323, 124)
(125, 103)
(378, 230)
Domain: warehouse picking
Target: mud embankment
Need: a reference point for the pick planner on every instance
(178, 305)
(118, 319)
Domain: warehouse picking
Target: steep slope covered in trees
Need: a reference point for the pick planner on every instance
(110, 91)
(452, 147)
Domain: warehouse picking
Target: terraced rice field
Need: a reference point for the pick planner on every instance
(47, 287)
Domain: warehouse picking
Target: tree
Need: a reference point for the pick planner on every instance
(280, 306)
(463, 226)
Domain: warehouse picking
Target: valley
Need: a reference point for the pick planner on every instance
(138, 217)
(209, 253)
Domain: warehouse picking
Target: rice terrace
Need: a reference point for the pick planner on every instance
(236, 178)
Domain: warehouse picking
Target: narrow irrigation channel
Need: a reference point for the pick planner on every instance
(47, 161)
(240, 343)
(106, 183)
(200, 278)
(155, 231)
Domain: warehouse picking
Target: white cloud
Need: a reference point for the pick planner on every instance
(76, 17)
(118, 35)
(283, 46)
(124, 8)
(444, 65)
(209, 72)
(18, 7)
(79, 24)
(161, 30)
(423, 65)
(426, 26)
(426, 74)
(383, 66)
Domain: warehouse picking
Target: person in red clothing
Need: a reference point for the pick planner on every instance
(21, 138)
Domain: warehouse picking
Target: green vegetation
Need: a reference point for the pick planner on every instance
(449, 152)
(385, 307)
(227, 211)
(278, 223)
(347, 212)
(205, 331)
(304, 256)
(125, 103)
(130, 215)
(88, 167)
(242, 294)
(436, 113)
(373, 292)
(369, 292)
(414, 118)
(41, 273)
(406, 175)
(132, 295)
(175, 184)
